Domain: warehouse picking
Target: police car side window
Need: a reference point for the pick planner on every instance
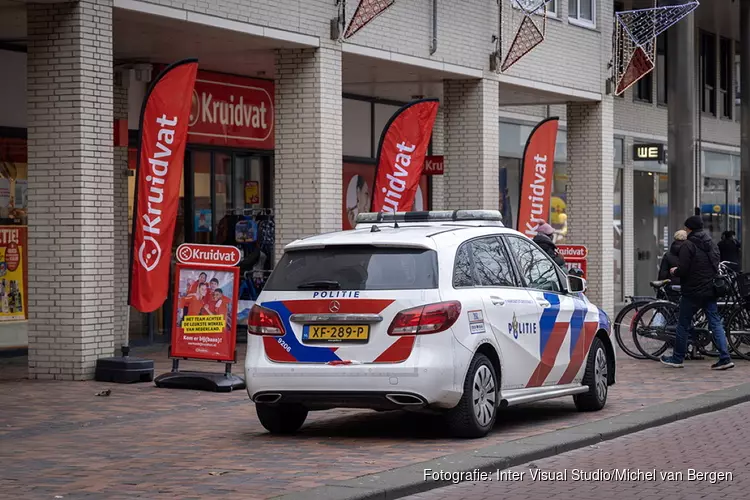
(491, 265)
(462, 276)
(535, 267)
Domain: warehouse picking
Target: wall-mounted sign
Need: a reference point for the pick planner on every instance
(649, 152)
(434, 165)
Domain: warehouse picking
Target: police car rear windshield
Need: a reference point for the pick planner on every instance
(361, 267)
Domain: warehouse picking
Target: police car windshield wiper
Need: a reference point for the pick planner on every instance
(322, 284)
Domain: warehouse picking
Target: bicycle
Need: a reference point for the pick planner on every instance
(626, 315)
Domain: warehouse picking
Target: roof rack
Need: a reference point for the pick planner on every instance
(433, 216)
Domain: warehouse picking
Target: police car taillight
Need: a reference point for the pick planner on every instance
(263, 321)
(431, 318)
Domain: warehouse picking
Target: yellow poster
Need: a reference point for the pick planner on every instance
(12, 273)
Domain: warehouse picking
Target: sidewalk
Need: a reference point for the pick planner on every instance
(59, 438)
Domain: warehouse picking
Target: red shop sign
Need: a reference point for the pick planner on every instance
(434, 165)
(234, 111)
(573, 252)
(208, 255)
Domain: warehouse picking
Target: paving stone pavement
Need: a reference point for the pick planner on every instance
(59, 439)
(700, 457)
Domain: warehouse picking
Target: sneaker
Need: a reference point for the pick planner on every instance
(723, 365)
(671, 361)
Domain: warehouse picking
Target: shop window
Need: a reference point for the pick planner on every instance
(737, 81)
(725, 77)
(617, 228)
(582, 11)
(708, 72)
(662, 78)
(619, 150)
(358, 136)
(714, 206)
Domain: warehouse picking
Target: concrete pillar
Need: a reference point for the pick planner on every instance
(307, 164)
(590, 192)
(438, 148)
(71, 205)
(472, 144)
(121, 227)
(745, 128)
(681, 94)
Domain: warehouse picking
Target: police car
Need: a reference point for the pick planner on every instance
(427, 311)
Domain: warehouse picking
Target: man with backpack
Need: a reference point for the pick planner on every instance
(698, 269)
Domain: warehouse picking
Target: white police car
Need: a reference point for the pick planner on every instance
(446, 311)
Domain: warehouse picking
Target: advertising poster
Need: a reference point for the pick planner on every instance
(252, 193)
(357, 196)
(203, 221)
(13, 254)
(205, 313)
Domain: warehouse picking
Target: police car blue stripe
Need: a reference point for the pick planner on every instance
(548, 319)
(301, 352)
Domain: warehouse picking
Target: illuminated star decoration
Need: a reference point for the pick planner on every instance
(634, 40)
(529, 35)
(367, 10)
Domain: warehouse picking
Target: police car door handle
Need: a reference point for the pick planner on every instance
(497, 300)
(543, 303)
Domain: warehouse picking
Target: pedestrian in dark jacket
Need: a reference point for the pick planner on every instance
(672, 258)
(729, 247)
(697, 267)
(543, 238)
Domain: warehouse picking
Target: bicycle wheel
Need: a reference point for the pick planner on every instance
(654, 328)
(623, 322)
(738, 332)
(701, 337)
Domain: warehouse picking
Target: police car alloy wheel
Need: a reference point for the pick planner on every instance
(596, 377)
(475, 414)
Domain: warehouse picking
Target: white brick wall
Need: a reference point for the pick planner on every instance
(71, 232)
(120, 187)
(307, 165)
(590, 188)
(438, 148)
(471, 143)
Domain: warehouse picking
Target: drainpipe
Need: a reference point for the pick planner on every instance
(433, 47)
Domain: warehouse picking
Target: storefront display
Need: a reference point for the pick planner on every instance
(13, 273)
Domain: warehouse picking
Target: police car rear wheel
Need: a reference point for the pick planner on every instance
(475, 414)
(596, 378)
(282, 418)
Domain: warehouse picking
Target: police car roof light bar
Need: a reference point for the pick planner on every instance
(431, 216)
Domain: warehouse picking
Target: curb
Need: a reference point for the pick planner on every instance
(409, 480)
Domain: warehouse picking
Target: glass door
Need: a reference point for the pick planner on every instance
(650, 227)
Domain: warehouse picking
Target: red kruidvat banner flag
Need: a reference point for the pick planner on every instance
(536, 180)
(401, 156)
(161, 150)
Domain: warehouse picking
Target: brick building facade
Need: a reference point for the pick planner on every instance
(82, 66)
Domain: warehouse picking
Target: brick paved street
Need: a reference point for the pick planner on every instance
(710, 443)
(59, 439)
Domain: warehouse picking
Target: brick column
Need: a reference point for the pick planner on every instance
(307, 164)
(471, 144)
(71, 236)
(121, 225)
(590, 192)
(438, 148)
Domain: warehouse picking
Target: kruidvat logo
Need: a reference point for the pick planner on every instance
(149, 254)
(538, 188)
(397, 186)
(517, 328)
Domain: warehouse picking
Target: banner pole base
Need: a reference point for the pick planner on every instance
(200, 381)
(124, 369)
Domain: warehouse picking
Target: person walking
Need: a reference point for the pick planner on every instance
(697, 267)
(543, 238)
(672, 258)
(729, 248)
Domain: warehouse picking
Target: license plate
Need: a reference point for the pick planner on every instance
(336, 333)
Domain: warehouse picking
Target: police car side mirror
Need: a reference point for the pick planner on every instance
(576, 284)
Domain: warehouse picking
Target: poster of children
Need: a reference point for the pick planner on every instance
(12, 273)
(205, 313)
